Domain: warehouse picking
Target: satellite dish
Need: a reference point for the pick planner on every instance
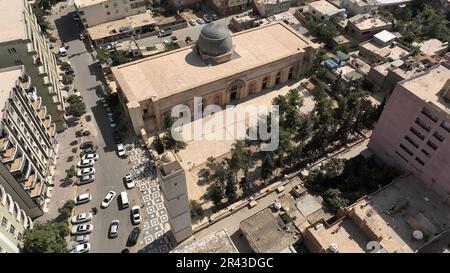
(277, 206)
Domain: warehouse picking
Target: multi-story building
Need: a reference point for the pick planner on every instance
(27, 135)
(14, 221)
(223, 7)
(95, 12)
(323, 10)
(270, 7)
(173, 185)
(413, 132)
(22, 43)
(365, 26)
(354, 7)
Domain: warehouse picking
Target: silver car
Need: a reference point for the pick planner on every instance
(114, 229)
(82, 229)
(82, 218)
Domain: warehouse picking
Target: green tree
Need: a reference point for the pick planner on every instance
(65, 66)
(102, 55)
(66, 210)
(230, 187)
(46, 237)
(216, 192)
(71, 172)
(239, 157)
(77, 107)
(173, 142)
(334, 199)
(67, 79)
(158, 144)
(118, 57)
(195, 208)
(267, 166)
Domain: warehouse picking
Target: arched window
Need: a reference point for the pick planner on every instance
(278, 77)
(265, 82)
(291, 73)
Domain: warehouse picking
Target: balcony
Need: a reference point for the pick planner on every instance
(42, 71)
(36, 191)
(4, 141)
(47, 121)
(42, 112)
(30, 48)
(47, 81)
(37, 104)
(18, 164)
(51, 91)
(30, 182)
(24, 81)
(51, 130)
(9, 154)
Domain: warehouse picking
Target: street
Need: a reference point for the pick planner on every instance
(109, 168)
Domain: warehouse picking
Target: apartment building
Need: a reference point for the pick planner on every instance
(365, 26)
(354, 7)
(27, 135)
(22, 43)
(14, 221)
(271, 7)
(223, 7)
(413, 133)
(95, 12)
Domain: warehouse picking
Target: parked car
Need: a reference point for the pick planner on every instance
(88, 151)
(85, 171)
(82, 36)
(81, 239)
(134, 236)
(120, 150)
(82, 218)
(192, 22)
(82, 229)
(86, 145)
(86, 179)
(108, 198)
(83, 198)
(128, 181)
(82, 248)
(164, 33)
(93, 156)
(135, 215)
(207, 18)
(62, 51)
(86, 163)
(114, 229)
(200, 21)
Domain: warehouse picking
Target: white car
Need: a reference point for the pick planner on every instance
(82, 248)
(135, 215)
(128, 181)
(83, 198)
(82, 229)
(200, 21)
(82, 218)
(120, 150)
(86, 163)
(93, 156)
(192, 22)
(108, 198)
(114, 229)
(81, 239)
(85, 171)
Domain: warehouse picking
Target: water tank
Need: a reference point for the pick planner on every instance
(417, 235)
(333, 248)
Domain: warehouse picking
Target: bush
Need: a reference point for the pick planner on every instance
(74, 150)
(46, 237)
(66, 210)
(67, 79)
(195, 208)
(71, 172)
(65, 66)
(78, 133)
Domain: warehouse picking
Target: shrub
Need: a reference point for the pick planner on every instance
(71, 172)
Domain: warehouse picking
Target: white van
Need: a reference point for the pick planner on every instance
(62, 52)
(124, 200)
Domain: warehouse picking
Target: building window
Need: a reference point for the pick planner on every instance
(422, 124)
(11, 50)
(438, 136)
(420, 161)
(432, 145)
(417, 133)
(278, 77)
(4, 222)
(291, 73)
(428, 113)
(446, 125)
(411, 141)
(265, 82)
(406, 149)
(12, 230)
(425, 152)
(19, 236)
(400, 155)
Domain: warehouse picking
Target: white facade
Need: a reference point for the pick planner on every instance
(173, 185)
(22, 43)
(323, 10)
(95, 12)
(27, 135)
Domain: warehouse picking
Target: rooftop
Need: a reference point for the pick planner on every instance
(385, 36)
(8, 78)
(391, 2)
(393, 51)
(271, 1)
(217, 242)
(167, 74)
(364, 22)
(115, 27)
(86, 3)
(324, 7)
(428, 86)
(433, 47)
(264, 232)
(12, 20)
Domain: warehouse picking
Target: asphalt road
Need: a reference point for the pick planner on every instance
(109, 168)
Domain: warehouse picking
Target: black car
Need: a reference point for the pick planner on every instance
(87, 144)
(88, 151)
(134, 236)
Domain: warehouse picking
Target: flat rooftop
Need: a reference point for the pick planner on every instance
(271, 1)
(323, 7)
(428, 86)
(86, 3)
(432, 46)
(113, 28)
(393, 51)
(217, 242)
(180, 70)
(415, 208)
(364, 24)
(8, 78)
(391, 2)
(12, 20)
(265, 232)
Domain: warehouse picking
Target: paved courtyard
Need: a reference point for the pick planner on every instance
(154, 238)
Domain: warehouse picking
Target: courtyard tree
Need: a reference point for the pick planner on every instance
(77, 107)
(195, 208)
(173, 142)
(46, 237)
(230, 187)
(216, 192)
(267, 166)
(66, 210)
(67, 79)
(71, 172)
(158, 144)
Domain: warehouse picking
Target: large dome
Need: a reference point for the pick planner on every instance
(214, 40)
